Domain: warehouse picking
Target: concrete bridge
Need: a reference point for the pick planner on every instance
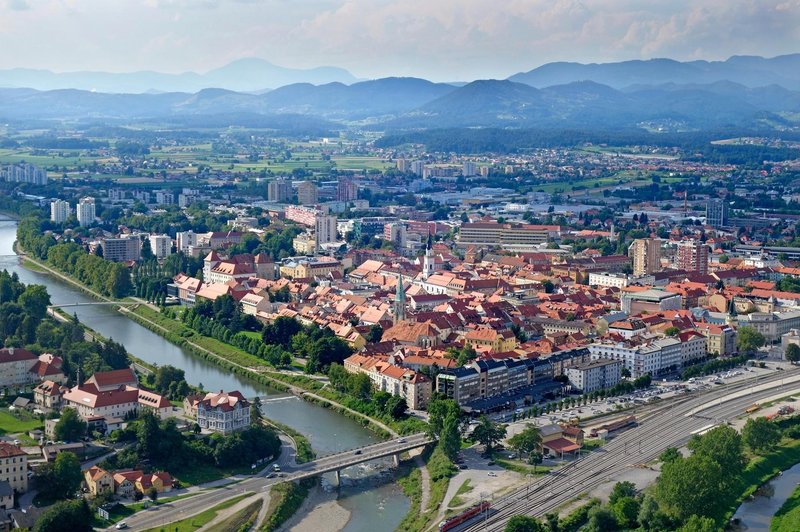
(336, 462)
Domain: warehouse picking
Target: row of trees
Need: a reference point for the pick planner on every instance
(107, 277)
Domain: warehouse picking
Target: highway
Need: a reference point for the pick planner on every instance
(161, 515)
(671, 425)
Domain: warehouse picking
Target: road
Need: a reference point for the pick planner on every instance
(181, 509)
(670, 426)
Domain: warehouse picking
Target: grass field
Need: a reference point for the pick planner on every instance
(241, 520)
(12, 422)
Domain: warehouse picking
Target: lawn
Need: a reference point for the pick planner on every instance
(198, 521)
(787, 519)
(241, 520)
(457, 501)
(15, 421)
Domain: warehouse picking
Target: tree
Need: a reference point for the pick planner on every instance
(692, 486)
(670, 454)
(723, 445)
(65, 516)
(255, 411)
(375, 333)
(622, 490)
(748, 340)
(70, 426)
(601, 519)
(438, 410)
(524, 523)
(450, 437)
(118, 283)
(61, 478)
(152, 493)
(723, 259)
(626, 510)
(527, 441)
(698, 523)
(761, 434)
(488, 433)
(672, 331)
(793, 353)
(35, 300)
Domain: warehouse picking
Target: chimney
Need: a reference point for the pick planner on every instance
(11, 351)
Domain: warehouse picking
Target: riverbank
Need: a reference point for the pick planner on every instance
(787, 519)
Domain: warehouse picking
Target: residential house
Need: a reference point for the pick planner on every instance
(223, 412)
(49, 394)
(98, 481)
(14, 466)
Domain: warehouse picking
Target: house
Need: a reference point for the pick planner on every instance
(124, 483)
(99, 481)
(488, 338)
(223, 412)
(190, 404)
(14, 466)
(49, 394)
(554, 441)
(49, 452)
(105, 381)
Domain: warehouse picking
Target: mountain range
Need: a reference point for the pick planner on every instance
(684, 96)
(244, 75)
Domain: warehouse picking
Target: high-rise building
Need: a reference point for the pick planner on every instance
(692, 256)
(122, 249)
(717, 212)
(59, 211)
(279, 190)
(186, 240)
(469, 169)
(161, 245)
(395, 232)
(307, 193)
(346, 190)
(23, 173)
(325, 229)
(403, 165)
(86, 212)
(646, 255)
(418, 167)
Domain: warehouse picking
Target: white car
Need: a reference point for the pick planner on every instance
(121, 525)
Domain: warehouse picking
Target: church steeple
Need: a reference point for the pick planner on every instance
(427, 261)
(731, 319)
(400, 301)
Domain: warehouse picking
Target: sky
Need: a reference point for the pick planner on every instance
(441, 40)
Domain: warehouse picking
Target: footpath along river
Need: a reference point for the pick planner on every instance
(373, 500)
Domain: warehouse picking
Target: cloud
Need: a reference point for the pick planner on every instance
(18, 5)
(438, 39)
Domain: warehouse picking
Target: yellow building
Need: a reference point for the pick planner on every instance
(99, 481)
(496, 341)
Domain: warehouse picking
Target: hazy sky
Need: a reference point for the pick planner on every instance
(442, 40)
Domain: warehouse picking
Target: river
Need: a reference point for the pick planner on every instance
(375, 503)
(757, 513)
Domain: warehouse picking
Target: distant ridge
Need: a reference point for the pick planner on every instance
(244, 75)
(750, 71)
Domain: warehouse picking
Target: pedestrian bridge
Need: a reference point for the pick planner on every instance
(95, 303)
(337, 462)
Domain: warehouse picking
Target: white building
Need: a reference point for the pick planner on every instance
(653, 358)
(59, 211)
(595, 375)
(14, 466)
(161, 246)
(185, 241)
(86, 211)
(325, 229)
(223, 412)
